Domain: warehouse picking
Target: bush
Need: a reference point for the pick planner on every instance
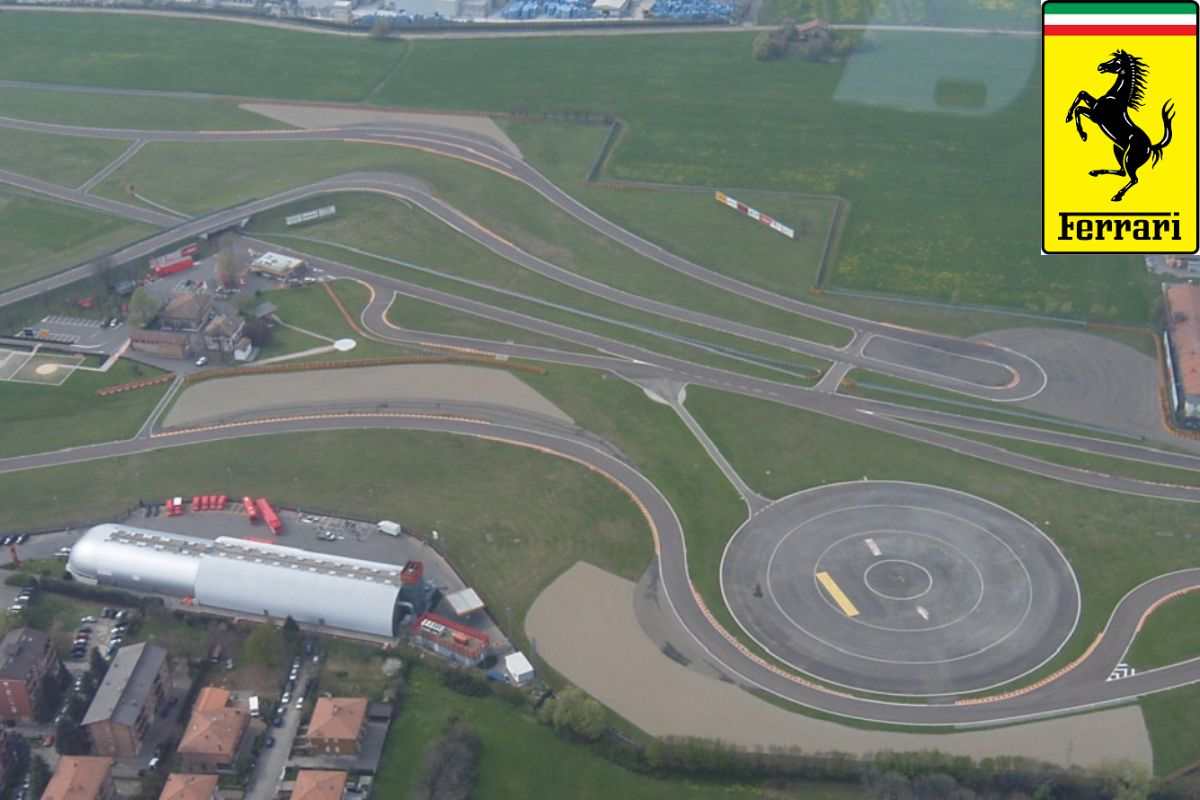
(465, 682)
(573, 712)
(768, 46)
(20, 579)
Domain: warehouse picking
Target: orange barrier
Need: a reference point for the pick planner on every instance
(133, 385)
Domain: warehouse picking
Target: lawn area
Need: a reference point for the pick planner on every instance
(99, 110)
(193, 55)
(419, 315)
(527, 517)
(352, 669)
(1171, 718)
(688, 220)
(523, 758)
(1170, 634)
(38, 419)
(1111, 540)
(69, 160)
(42, 237)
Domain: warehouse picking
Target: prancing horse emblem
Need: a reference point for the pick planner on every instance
(1131, 145)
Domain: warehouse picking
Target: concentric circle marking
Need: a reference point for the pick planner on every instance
(922, 591)
(901, 579)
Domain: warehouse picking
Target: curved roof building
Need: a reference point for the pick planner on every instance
(244, 576)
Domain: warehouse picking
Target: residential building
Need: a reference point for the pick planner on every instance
(223, 332)
(134, 688)
(159, 343)
(1183, 351)
(181, 786)
(186, 311)
(277, 266)
(319, 784)
(215, 733)
(81, 778)
(337, 725)
(26, 658)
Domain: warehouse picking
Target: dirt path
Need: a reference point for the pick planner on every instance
(300, 115)
(232, 398)
(585, 618)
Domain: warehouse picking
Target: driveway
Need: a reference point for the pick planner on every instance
(265, 780)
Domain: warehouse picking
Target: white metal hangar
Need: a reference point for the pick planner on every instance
(246, 577)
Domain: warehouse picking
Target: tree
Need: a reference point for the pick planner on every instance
(48, 697)
(767, 47)
(451, 765)
(258, 332)
(69, 738)
(143, 308)
(39, 775)
(227, 268)
(97, 665)
(291, 634)
(1125, 780)
(264, 646)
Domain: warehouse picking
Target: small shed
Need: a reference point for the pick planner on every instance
(464, 601)
(517, 669)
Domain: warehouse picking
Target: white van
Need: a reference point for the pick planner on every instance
(254, 706)
(390, 528)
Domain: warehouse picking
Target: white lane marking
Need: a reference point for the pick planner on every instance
(1122, 670)
(874, 548)
(923, 612)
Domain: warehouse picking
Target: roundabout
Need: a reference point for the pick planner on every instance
(900, 588)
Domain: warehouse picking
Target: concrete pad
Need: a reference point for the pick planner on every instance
(584, 625)
(306, 116)
(239, 397)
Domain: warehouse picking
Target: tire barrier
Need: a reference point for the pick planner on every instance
(134, 385)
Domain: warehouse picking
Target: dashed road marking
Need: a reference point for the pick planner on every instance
(874, 548)
(924, 612)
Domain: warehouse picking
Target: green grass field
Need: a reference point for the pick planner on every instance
(868, 131)
(42, 237)
(687, 220)
(523, 758)
(1111, 540)
(35, 419)
(179, 175)
(125, 111)
(1171, 719)
(511, 519)
(1170, 634)
(69, 160)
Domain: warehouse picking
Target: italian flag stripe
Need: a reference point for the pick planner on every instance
(1135, 19)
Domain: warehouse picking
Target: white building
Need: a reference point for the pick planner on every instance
(276, 265)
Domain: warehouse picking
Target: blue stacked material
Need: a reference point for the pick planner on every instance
(554, 9)
(692, 9)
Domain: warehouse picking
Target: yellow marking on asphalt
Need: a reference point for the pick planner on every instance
(837, 594)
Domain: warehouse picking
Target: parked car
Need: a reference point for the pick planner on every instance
(109, 613)
(23, 538)
(269, 741)
(278, 721)
(86, 620)
(287, 698)
(201, 361)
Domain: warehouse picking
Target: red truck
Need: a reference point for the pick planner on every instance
(269, 516)
(161, 270)
(251, 509)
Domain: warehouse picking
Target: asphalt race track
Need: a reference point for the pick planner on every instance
(900, 588)
(962, 594)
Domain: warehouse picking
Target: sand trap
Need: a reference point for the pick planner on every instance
(46, 369)
(311, 116)
(240, 397)
(583, 624)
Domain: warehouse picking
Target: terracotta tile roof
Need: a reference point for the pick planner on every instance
(338, 718)
(317, 784)
(214, 729)
(1183, 316)
(78, 778)
(189, 787)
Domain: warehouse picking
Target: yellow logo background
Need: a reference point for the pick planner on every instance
(1070, 67)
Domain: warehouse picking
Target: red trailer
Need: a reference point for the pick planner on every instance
(196, 503)
(222, 501)
(171, 267)
(189, 250)
(269, 516)
(251, 509)
(174, 506)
